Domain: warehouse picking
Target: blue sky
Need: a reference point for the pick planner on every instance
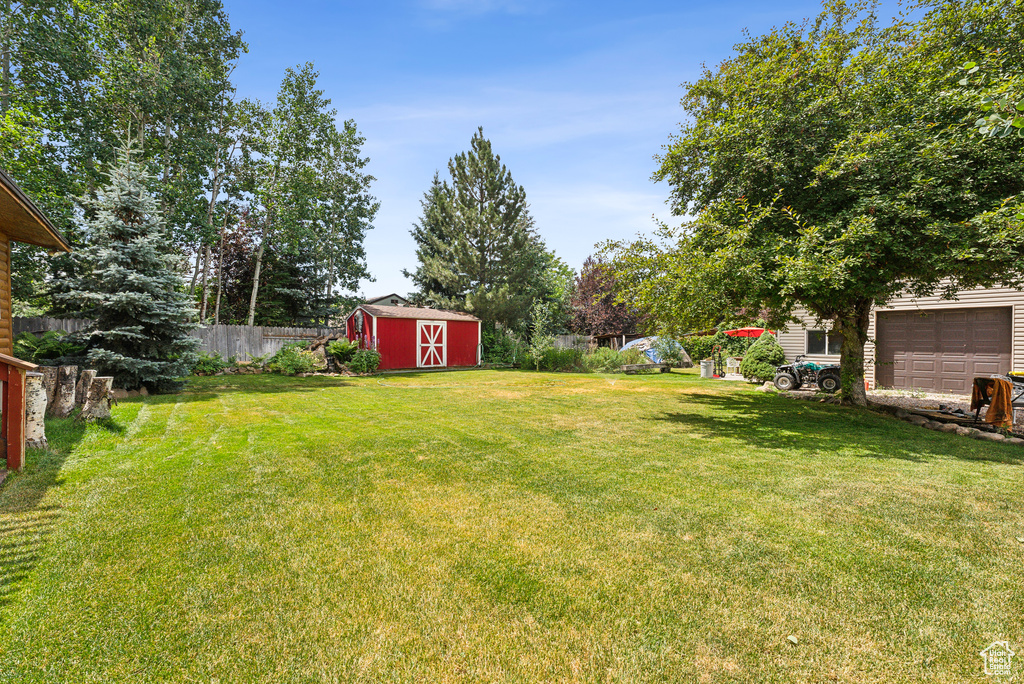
(576, 97)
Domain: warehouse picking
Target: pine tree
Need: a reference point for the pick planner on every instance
(476, 243)
(130, 287)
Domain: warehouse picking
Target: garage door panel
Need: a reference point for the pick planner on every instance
(944, 349)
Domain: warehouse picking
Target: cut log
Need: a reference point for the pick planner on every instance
(97, 399)
(35, 411)
(49, 383)
(82, 388)
(64, 397)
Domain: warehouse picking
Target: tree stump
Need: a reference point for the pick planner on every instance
(97, 399)
(64, 396)
(49, 383)
(35, 411)
(82, 388)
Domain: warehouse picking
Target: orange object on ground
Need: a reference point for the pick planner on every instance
(998, 394)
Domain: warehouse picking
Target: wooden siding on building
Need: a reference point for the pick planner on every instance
(6, 321)
(794, 339)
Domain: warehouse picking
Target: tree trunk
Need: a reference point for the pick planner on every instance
(64, 397)
(220, 276)
(206, 278)
(49, 384)
(195, 271)
(35, 410)
(854, 327)
(82, 389)
(97, 400)
(256, 279)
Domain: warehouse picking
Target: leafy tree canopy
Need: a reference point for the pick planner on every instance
(831, 165)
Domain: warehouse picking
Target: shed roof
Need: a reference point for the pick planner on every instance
(415, 312)
(21, 219)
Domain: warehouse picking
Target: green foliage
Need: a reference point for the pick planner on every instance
(310, 198)
(210, 363)
(54, 344)
(827, 167)
(130, 288)
(365, 361)
(293, 359)
(670, 351)
(477, 247)
(763, 357)
(342, 350)
(602, 360)
(541, 340)
(501, 345)
(701, 347)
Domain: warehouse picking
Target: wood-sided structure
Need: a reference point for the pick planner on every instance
(20, 221)
(409, 337)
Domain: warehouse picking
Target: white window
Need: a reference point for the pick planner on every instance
(824, 343)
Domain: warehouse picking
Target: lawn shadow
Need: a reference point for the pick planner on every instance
(767, 421)
(25, 521)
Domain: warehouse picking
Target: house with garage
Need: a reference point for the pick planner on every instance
(928, 343)
(410, 337)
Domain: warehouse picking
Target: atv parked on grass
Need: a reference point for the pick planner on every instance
(799, 373)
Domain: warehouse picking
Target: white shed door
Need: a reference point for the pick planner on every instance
(431, 348)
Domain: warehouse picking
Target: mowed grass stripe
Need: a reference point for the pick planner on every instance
(505, 526)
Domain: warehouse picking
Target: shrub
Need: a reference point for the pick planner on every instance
(632, 356)
(670, 352)
(293, 359)
(602, 360)
(342, 350)
(501, 345)
(761, 360)
(209, 364)
(561, 359)
(364, 361)
(54, 344)
(702, 346)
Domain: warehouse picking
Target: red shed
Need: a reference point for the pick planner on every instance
(407, 337)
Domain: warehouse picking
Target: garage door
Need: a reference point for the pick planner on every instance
(942, 350)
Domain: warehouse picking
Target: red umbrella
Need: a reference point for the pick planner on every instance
(746, 332)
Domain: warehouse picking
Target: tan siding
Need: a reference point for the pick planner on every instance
(794, 342)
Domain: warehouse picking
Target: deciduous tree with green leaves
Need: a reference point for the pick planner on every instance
(828, 166)
(308, 189)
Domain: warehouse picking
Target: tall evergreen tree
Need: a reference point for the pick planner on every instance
(476, 243)
(130, 287)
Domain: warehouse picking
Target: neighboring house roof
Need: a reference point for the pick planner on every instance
(21, 219)
(393, 295)
(415, 312)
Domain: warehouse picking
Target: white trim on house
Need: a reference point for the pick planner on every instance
(794, 339)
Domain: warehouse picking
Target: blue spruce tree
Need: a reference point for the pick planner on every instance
(131, 289)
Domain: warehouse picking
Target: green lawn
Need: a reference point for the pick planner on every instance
(505, 526)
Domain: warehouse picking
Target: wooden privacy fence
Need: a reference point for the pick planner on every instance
(241, 341)
(573, 341)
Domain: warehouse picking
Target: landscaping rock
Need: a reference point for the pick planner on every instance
(902, 414)
(767, 387)
(932, 425)
(917, 420)
(946, 427)
(1014, 440)
(966, 431)
(989, 436)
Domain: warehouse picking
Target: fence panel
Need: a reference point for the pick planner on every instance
(241, 341)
